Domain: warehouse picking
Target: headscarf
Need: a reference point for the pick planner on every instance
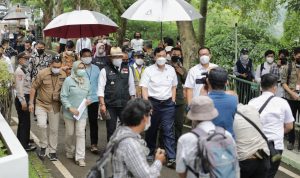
(80, 80)
(97, 50)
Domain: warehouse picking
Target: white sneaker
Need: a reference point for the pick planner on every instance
(81, 163)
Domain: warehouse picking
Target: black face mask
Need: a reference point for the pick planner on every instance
(175, 59)
(283, 61)
(40, 51)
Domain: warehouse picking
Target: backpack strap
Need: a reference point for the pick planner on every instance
(262, 68)
(265, 104)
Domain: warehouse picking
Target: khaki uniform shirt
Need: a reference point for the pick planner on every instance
(48, 88)
(23, 83)
(293, 78)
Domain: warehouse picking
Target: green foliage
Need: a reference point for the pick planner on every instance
(3, 149)
(292, 33)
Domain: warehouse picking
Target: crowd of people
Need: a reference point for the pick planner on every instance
(136, 88)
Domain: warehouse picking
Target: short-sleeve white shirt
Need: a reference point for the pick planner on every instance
(273, 117)
(137, 44)
(194, 74)
(159, 82)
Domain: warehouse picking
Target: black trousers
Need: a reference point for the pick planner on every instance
(254, 168)
(179, 117)
(295, 106)
(23, 132)
(93, 120)
(111, 124)
(274, 167)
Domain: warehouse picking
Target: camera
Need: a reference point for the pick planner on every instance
(202, 80)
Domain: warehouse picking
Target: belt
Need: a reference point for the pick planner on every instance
(160, 101)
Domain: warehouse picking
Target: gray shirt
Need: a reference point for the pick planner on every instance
(248, 139)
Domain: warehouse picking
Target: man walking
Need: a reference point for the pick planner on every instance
(93, 73)
(47, 85)
(275, 115)
(158, 84)
(115, 88)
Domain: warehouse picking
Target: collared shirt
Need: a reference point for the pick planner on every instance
(83, 43)
(93, 73)
(137, 44)
(10, 68)
(248, 139)
(194, 75)
(130, 160)
(273, 117)
(159, 82)
(187, 150)
(47, 85)
(265, 70)
(38, 63)
(23, 84)
(103, 79)
(293, 78)
(225, 104)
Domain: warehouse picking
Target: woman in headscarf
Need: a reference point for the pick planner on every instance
(74, 91)
(100, 58)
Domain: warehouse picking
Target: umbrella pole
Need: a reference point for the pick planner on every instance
(80, 38)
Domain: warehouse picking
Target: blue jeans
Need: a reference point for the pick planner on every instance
(163, 117)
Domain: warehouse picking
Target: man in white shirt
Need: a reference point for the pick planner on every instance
(158, 84)
(83, 43)
(276, 118)
(137, 43)
(115, 88)
(265, 67)
(197, 74)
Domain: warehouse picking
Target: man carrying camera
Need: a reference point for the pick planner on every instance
(196, 76)
(176, 62)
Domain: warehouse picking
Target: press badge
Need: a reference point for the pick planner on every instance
(124, 71)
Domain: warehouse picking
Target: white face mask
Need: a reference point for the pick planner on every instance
(139, 61)
(161, 61)
(86, 60)
(69, 53)
(117, 62)
(270, 60)
(204, 59)
(104, 41)
(148, 124)
(245, 57)
(101, 51)
(168, 57)
(55, 70)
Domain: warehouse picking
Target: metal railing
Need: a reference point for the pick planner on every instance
(246, 90)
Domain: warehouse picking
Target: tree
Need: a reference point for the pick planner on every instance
(202, 22)
(122, 21)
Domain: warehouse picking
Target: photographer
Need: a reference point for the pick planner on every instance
(176, 62)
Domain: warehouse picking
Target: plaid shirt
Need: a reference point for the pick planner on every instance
(275, 70)
(130, 160)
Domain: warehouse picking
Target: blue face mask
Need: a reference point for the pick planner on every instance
(81, 72)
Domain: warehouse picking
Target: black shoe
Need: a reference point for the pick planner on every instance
(290, 146)
(171, 164)
(52, 156)
(30, 148)
(42, 153)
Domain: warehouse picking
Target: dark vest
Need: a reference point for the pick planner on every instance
(241, 69)
(101, 62)
(116, 93)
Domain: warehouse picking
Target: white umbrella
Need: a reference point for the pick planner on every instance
(161, 11)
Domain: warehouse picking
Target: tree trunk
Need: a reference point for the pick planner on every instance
(58, 8)
(202, 22)
(122, 22)
(188, 42)
(48, 12)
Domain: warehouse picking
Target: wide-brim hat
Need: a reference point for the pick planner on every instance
(115, 51)
(202, 109)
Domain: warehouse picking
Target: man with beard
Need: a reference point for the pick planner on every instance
(291, 84)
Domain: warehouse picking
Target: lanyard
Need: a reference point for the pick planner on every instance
(89, 75)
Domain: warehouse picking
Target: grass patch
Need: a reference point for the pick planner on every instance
(36, 167)
(3, 149)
